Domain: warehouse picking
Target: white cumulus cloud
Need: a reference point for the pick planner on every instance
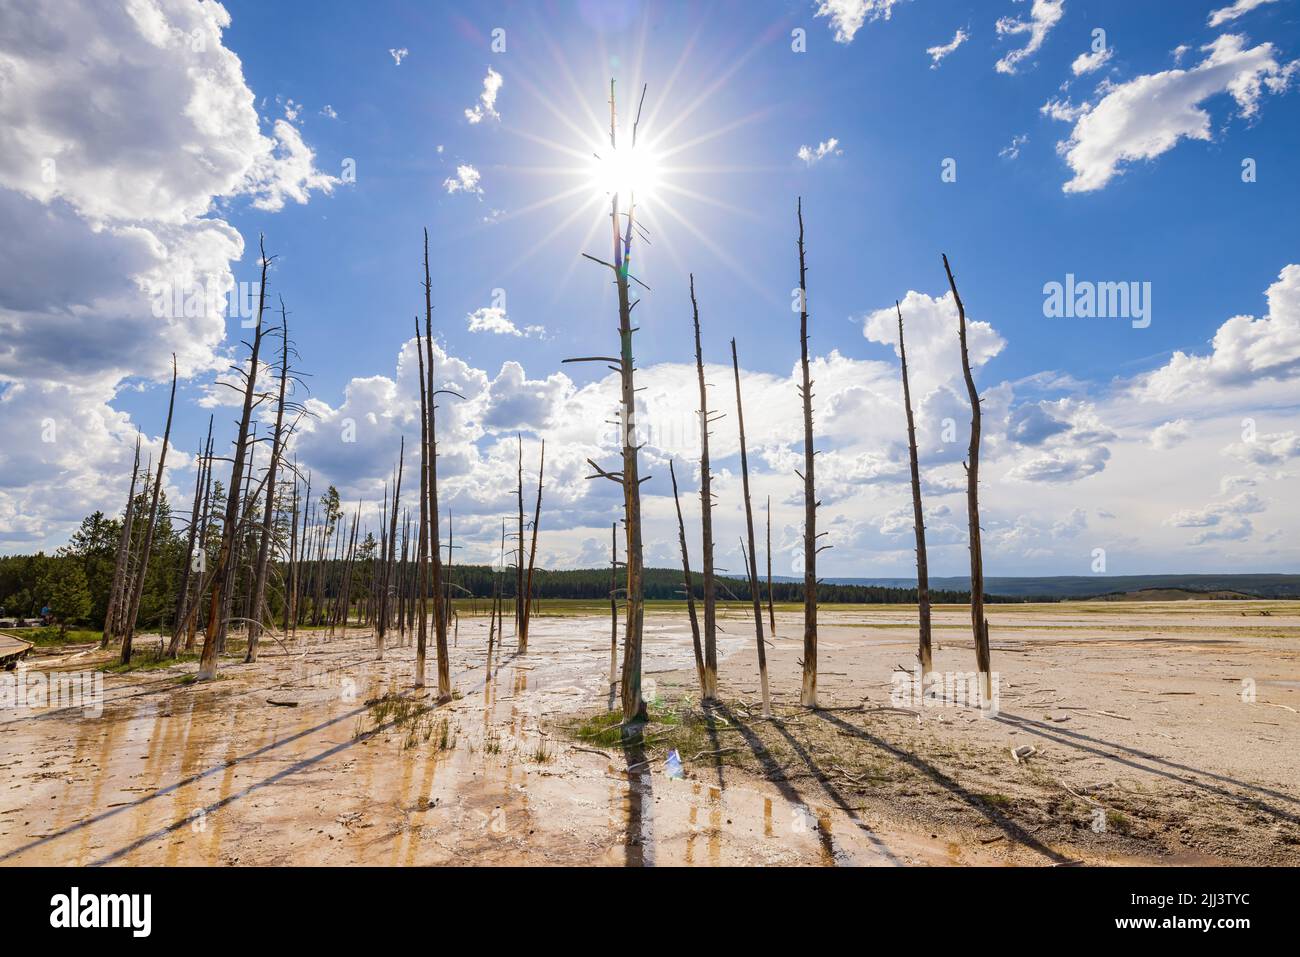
(1147, 116)
(1043, 15)
(487, 100)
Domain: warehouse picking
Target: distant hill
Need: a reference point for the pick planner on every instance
(1091, 586)
(1172, 594)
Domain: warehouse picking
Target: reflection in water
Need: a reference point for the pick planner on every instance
(640, 803)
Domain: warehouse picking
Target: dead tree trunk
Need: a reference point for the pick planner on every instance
(613, 604)
(519, 546)
(923, 655)
(634, 708)
(710, 597)
(381, 626)
(134, 608)
(771, 610)
(808, 693)
(979, 624)
(422, 557)
(751, 564)
(120, 576)
(192, 615)
(296, 592)
(532, 555)
(435, 551)
(689, 585)
(181, 618)
(268, 512)
(223, 577)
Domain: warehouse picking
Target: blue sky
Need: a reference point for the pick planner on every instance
(1076, 403)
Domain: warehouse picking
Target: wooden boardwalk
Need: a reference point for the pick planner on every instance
(12, 650)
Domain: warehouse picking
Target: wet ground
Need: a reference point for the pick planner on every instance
(319, 754)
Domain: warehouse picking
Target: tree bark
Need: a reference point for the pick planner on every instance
(421, 582)
(923, 655)
(519, 550)
(979, 624)
(268, 512)
(180, 620)
(751, 564)
(381, 625)
(771, 610)
(532, 555)
(435, 550)
(134, 608)
(710, 596)
(120, 568)
(689, 585)
(808, 693)
(613, 604)
(218, 606)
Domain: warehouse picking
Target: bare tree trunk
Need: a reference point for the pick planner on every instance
(181, 618)
(291, 566)
(345, 604)
(134, 608)
(222, 576)
(501, 588)
(120, 568)
(923, 655)
(192, 615)
(519, 550)
(690, 586)
(182, 593)
(421, 572)
(268, 513)
(381, 626)
(751, 564)
(710, 688)
(435, 551)
(295, 609)
(133, 554)
(808, 693)
(979, 624)
(613, 602)
(771, 611)
(634, 708)
(532, 554)
(133, 551)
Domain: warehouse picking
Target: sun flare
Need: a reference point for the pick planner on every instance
(626, 171)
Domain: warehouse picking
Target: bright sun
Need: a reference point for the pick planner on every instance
(626, 171)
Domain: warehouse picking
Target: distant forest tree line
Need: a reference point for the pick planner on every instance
(75, 582)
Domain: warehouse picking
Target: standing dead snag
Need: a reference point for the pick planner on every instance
(519, 549)
(613, 604)
(751, 562)
(918, 516)
(133, 608)
(979, 624)
(278, 442)
(435, 551)
(710, 687)
(120, 576)
(808, 694)
(223, 574)
(532, 555)
(771, 611)
(421, 582)
(381, 625)
(634, 708)
(690, 587)
(183, 605)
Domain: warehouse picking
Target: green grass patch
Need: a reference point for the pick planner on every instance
(49, 636)
(149, 660)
